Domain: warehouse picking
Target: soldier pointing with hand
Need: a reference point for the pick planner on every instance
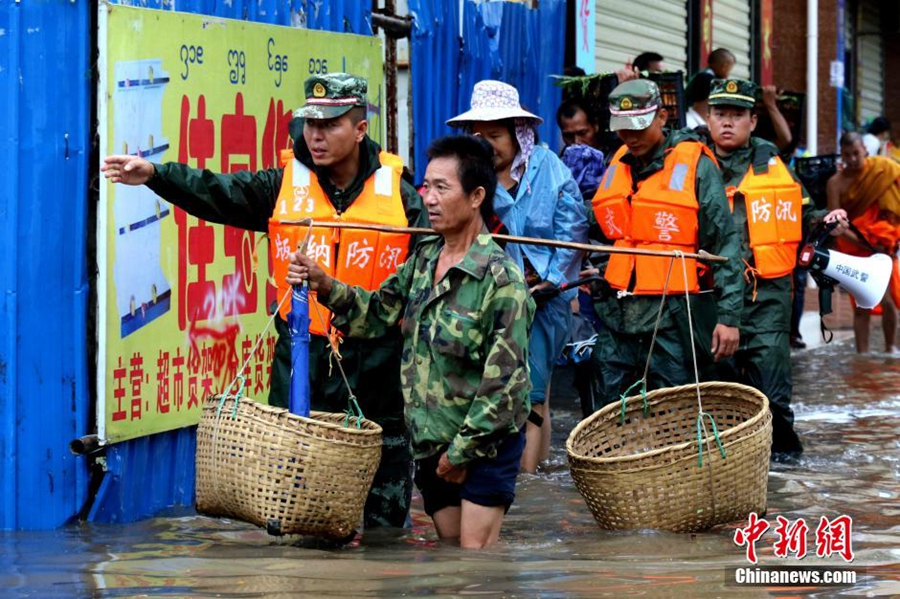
(335, 172)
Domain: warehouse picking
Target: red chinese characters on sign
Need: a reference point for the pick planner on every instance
(275, 133)
(208, 299)
(212, 356)
(163, 383)
(238, 139)
(178, 379)
(196, 250)
(197, 136)
(119, 391)
(136, 376)
(210, 365)
(749, 535)
(831, 537)
(199, 297)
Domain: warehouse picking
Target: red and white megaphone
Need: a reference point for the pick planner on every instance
(865, 278)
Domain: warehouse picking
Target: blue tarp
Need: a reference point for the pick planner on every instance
(152, 473)
(500, 40)
(45, 142)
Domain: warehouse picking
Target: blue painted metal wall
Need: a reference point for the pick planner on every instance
(500, 40)
(45, 136)
(152, 473)
(45, 147)
(345, 16)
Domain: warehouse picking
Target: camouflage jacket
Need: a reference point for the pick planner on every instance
(464, 365)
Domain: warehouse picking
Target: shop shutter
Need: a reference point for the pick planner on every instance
(731, 30)
(870, 62)
(626, 29)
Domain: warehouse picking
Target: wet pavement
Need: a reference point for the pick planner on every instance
(848, 411)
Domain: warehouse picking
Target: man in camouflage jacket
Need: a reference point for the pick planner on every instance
(464, 314)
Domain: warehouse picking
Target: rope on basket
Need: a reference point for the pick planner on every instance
(701, 425)
(353, 410)
(643, 380)
(240, 375)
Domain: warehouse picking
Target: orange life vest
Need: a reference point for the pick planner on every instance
(660, 215)
(352, 256)
(774, 204)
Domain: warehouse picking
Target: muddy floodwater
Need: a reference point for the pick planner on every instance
(848, 410)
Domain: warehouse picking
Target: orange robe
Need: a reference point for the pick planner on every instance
(873, 204)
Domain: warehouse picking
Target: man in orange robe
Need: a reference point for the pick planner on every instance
(868, 188)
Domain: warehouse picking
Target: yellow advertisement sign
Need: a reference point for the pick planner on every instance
(182, 300)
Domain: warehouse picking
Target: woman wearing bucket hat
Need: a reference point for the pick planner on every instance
(536, 197)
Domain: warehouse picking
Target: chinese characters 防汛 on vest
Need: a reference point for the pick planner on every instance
(352, 256)
(774, 202)
(660, 215)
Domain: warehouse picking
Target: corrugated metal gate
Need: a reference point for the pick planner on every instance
(626, 29)
(870, 62)
(731, 30)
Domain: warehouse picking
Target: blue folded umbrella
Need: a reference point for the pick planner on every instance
(298, 323)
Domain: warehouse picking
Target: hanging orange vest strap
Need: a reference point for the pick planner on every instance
(774, 205)
(660, 215)
(352, 256)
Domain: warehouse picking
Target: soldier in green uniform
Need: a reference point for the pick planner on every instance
(331, 144)
(464, 311)
(661, 191)
(770, 209)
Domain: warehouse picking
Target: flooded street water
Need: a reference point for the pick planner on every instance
(848, 411)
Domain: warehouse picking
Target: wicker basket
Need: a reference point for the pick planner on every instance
(290, 474)
(645, 472)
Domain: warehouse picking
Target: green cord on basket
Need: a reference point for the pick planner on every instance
(700, 435)
(353, 411)
(237, 396)
(624, 396)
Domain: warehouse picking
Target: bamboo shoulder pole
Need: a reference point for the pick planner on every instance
(571, 245)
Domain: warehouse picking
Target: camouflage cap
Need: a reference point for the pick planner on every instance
(332, 95)
(733, 92)
(633, 105)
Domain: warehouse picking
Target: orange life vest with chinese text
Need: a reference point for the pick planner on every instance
(660, 215)
(352, 256)
(774, 205)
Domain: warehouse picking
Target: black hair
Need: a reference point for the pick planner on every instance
(849, 138)
(569, 108)
(698, 88)
(573, 71)
(358, 114)
(720, 54)
(879, 126)
(642, 62)
(475, 158)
